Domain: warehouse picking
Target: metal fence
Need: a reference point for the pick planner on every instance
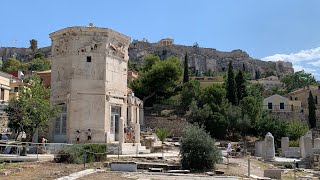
(284, 108)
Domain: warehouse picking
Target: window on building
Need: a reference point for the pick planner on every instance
(296, 98)
(88, 58)
(290, 97)
(2, 94)
(16, 89)
(281, 105)
(61, 121)
(269, 105)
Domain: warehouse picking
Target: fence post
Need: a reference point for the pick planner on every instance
(37, 152)
(84, 159)
(118, 152)
(137, 150)
(248, 166)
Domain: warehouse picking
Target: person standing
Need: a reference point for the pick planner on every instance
(89, 134)
(229, 149)
(130, 133)
(78, 136)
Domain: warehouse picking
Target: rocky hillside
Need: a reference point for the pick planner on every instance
(200, 59)
(203, 59)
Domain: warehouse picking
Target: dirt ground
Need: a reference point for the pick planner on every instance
(49, 170)
(39, 170)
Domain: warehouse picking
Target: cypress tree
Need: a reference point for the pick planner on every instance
(241, 87)
(312, 111)
(231, 86)
(186, 69)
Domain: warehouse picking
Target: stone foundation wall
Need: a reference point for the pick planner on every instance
(3, 123)
(174, 125)
(291, 116)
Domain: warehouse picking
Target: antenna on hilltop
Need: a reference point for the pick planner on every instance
(91, 25)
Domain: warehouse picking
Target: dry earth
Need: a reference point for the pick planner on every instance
(49, 170)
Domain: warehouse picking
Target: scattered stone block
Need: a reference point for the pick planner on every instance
(317, 143)
(209, 173)
(155, 169)
(124, 166)
(306, 178)
(259, 149)
(272, 173)
(179, 171)
(284, 145)
(293, 152)
(306, 147)
(269, 147)
(219, 172)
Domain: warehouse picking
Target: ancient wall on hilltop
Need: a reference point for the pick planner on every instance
(203, 59)
(200, 59)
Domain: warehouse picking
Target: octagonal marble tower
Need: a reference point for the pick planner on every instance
(89, 82)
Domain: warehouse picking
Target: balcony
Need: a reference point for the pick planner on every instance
(284, 108)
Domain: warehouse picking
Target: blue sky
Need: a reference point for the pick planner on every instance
(270, 30)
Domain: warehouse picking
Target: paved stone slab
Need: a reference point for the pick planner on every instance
(78, 174)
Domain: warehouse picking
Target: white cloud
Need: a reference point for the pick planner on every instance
(300, 68)
(315, 63)
(307, 60)
(304, 55)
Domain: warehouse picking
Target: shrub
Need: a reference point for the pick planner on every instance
(162, 134)
(296, 130)
(198, 150)
(75, 153)
(294, 143)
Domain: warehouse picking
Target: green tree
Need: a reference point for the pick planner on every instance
(237, 124)
(296, 130)
(312, 111)
(33, 45)
(11, 64)
(38, 54)
(277, 127)
(251, 106)
(231, 86)
(149, 61)
(256, 90)
(241, 85)
(198, 149)
(158, 80)
(215, 97)
(298, 80)
(39, 64)
(190, 90)
(32, 110)
(198, 115)
(186, 69)
(162, 134)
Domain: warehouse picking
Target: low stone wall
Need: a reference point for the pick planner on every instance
(174, 125)
(3, 123)
(291, 116)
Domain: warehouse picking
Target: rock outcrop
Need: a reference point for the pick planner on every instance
(203, 59)
(200, 59)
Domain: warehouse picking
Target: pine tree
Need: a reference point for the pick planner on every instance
(231, 86)
(241, 87)
(312, 111)
(186, 69)
(33, 45)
